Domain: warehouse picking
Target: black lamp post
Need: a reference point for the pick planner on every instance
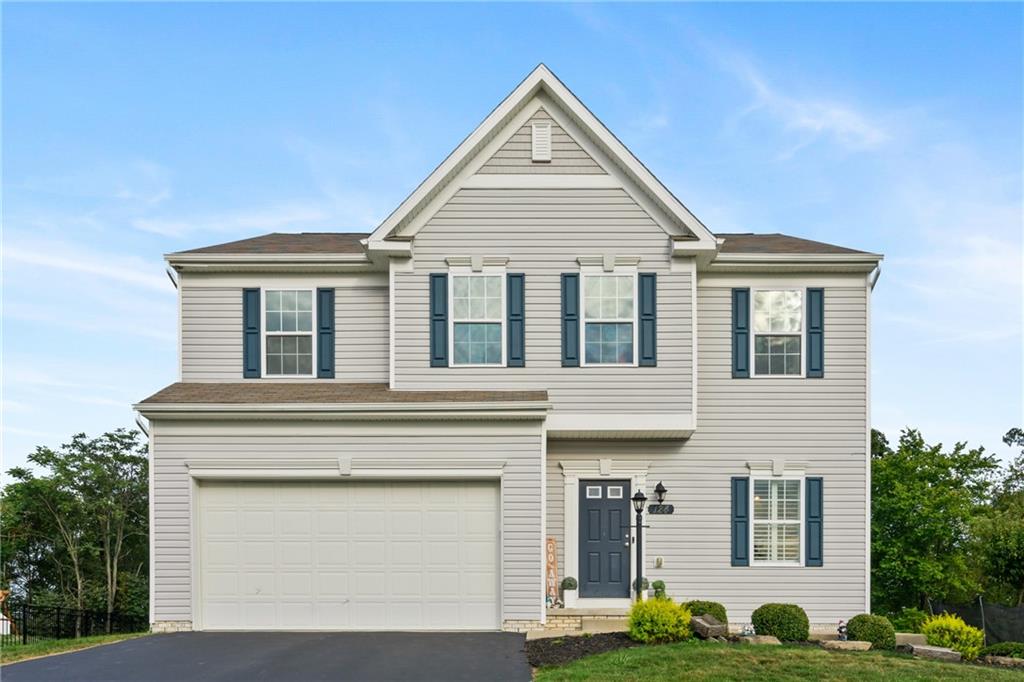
(639, 500)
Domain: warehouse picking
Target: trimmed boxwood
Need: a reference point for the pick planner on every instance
(788, 622)
(658, 621)
(1010, 649)
(699, 607)
(875, 629)
(569, 583)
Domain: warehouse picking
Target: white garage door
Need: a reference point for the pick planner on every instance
(361, 556)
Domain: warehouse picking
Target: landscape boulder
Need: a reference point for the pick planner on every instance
(760, 639)
(845, 645)
(707, 626)
(939, 653)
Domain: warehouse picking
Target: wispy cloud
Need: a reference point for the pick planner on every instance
(287, 217)
(128, 270)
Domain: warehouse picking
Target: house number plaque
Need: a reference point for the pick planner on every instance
(660, 509)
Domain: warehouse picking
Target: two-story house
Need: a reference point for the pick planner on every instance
(382, 431)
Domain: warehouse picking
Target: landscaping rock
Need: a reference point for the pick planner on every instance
(1004, 661)
(845, 645)
(707, 626)
(910, 638)
(938, 653)
(760, 639)
(592, 626)
(547, 634)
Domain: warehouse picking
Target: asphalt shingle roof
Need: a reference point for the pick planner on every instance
(321, 393)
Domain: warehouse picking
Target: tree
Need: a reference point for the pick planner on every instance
(923, 503)
(87, 513)
(1001, 548)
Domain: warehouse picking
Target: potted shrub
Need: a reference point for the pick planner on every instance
(569, 587)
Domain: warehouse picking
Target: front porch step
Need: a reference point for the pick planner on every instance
(595, 625)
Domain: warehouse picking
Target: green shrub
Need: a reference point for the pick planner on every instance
(909, 620)
(875, 629)
(951, 631)
(642, 582)
(569, 583)
(659, 589)
(656, 621)
(698, 607)
(788, 622)
(1011, 649)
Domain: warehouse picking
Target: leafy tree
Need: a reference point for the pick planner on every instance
(80, 527)
(924, 500)
(1001, 550)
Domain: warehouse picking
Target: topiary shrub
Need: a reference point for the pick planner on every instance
(657, 621)
(788, 622)
(569, 583)
(952, 632)
(875, 629)
(909, 619)
(659, 589)
(1010, 649)
(698, 607)
(643, 583)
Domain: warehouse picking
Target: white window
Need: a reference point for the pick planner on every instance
(777, 528)
(288, 332)
(478, 319)
(609, 319)
(778, 332)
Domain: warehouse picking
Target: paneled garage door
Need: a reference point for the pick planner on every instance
(361, 556)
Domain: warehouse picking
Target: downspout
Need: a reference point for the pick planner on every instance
(142, 425)
(875, 274)
(171, 276)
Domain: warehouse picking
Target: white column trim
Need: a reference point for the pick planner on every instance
(572, 472)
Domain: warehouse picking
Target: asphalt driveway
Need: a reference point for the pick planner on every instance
(282, 657)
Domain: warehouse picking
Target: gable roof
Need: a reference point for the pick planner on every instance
(776, 243)
(285, 243)
(542, 81)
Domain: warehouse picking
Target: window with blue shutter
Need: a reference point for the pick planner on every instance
(740, 521)
(251, 360)
(648, 308)
(439, 320)
(814, 510)
(815, 333)
(741, 333)
(570, 320)
(515, 322)
(325, 333)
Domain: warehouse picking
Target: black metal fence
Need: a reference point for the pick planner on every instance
(22, 622)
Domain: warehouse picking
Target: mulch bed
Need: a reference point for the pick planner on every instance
(559, 650)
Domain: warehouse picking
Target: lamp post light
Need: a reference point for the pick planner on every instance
(639, 500)
(659, 492)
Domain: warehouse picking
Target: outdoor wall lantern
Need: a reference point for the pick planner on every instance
(659, 492)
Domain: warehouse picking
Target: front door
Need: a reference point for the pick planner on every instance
(604, 538)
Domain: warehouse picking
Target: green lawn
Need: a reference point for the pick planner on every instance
(712, 661)
(43, 647)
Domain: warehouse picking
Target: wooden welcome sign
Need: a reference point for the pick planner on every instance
(551, 572)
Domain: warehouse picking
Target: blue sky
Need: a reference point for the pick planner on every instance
(130, 131)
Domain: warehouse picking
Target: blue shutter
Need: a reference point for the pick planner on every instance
(325, 333)
(648, 333)
(570, 320)
(515, 322)
(741, 333)
(740, 521)
(438, 320)
(251, 334)
(815, 333)
(813, 509)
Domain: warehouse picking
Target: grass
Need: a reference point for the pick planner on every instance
(712, 661)
(44, 647)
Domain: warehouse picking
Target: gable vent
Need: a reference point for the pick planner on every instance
(541, 142)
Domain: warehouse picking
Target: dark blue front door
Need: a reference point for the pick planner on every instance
(604, 538)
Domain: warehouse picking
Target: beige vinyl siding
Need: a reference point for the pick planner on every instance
(515, 156)
(211, 333)
(542, 232)
(361, 334)
(821, 422)
(518, 444)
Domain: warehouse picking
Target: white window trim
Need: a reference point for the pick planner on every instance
(583, 319)
(802, 334)
(486, 272)
(264, 334)
(801, 520)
